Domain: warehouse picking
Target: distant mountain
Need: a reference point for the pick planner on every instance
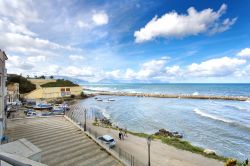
(109, 81)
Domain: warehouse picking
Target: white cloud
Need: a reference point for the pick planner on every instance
(36, 59)
(76, 57)
(151, 68)
(173, 71)
(18, 63)
(218, 67)
(100, 18)
(179, 25)
(83, 24)
(78, 71)
(245, 53)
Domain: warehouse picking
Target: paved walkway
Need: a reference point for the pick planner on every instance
(62, 143)
(161, 154)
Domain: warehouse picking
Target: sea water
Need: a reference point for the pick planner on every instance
(221, 125)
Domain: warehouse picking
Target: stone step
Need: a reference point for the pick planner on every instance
(62, 147)
(109, 161)
(42, 122)
(70, 153)
(92, 160)
(37, 127)
(77, 159)
(56, 139)
(45, 134)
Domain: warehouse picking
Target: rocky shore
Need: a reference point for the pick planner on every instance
(236, 98)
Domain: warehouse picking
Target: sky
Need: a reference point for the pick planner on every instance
(185, 41)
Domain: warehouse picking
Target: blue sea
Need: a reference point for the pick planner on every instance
(221, 125)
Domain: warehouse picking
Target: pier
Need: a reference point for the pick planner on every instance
(236, 98)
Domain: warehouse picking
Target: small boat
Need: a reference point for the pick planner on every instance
(111, 99)
(43, 106)
(99, 99)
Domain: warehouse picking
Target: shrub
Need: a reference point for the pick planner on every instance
(25, 86)
(231, 162)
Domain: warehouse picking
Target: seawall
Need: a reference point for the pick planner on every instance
(236, 98)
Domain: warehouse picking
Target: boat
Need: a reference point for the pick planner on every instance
(99, 99)
(111, 99)
(42, 106)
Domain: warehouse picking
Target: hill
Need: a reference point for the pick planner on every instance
(59, 83)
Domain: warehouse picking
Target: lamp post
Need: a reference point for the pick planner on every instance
(85, 122)
(149, 142)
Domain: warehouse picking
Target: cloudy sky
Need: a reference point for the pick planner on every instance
(128, 40)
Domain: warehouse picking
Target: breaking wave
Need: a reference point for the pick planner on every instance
(199, 112)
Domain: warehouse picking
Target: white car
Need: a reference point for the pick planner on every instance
(108, 140)
(31, 113)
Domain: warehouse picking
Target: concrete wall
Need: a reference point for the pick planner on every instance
(53, 92)
(3, 92)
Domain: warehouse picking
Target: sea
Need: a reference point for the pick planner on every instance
(219, 125)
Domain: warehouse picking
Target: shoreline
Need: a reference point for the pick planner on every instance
(208, 97)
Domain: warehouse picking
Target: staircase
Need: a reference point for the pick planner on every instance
(62, 143)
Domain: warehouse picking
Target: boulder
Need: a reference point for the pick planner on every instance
(165, 133)
(209, 152)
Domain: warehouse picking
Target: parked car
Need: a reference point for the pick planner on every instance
(31, 113)
(108, 140)
(28, 110)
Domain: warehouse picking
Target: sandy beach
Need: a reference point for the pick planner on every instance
(161, 154)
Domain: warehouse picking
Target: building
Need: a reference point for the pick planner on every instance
(51, 92)
(3, 92)
(13, 92)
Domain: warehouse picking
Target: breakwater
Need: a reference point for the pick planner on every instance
(236, 98)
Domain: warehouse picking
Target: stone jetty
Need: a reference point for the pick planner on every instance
(237, 98)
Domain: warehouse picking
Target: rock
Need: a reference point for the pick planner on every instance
(209, 152)
(165, 133)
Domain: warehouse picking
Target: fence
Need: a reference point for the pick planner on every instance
(77, 114)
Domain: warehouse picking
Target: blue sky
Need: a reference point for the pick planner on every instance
(129, 41)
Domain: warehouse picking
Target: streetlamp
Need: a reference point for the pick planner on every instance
(149, 142)
(85, 123)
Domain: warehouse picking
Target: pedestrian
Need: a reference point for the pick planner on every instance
(125, 132)
(120, 135)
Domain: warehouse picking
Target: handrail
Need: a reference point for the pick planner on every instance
(12, 161)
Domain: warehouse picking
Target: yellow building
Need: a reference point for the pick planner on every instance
(54, 92)
(13, 92)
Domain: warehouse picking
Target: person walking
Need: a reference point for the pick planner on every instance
(120, 135)
(125, 132)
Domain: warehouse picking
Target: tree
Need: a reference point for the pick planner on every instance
(42, 77)
(25, 85)
(51, 77)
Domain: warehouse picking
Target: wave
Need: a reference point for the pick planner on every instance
(199, 112)
(233, 123)
(195, 93)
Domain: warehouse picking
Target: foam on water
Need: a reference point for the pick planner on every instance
(199, 112)
(195, 94)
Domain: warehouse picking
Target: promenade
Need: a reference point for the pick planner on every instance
(161, 154)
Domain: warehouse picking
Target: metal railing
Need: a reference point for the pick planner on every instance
(77, 114)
